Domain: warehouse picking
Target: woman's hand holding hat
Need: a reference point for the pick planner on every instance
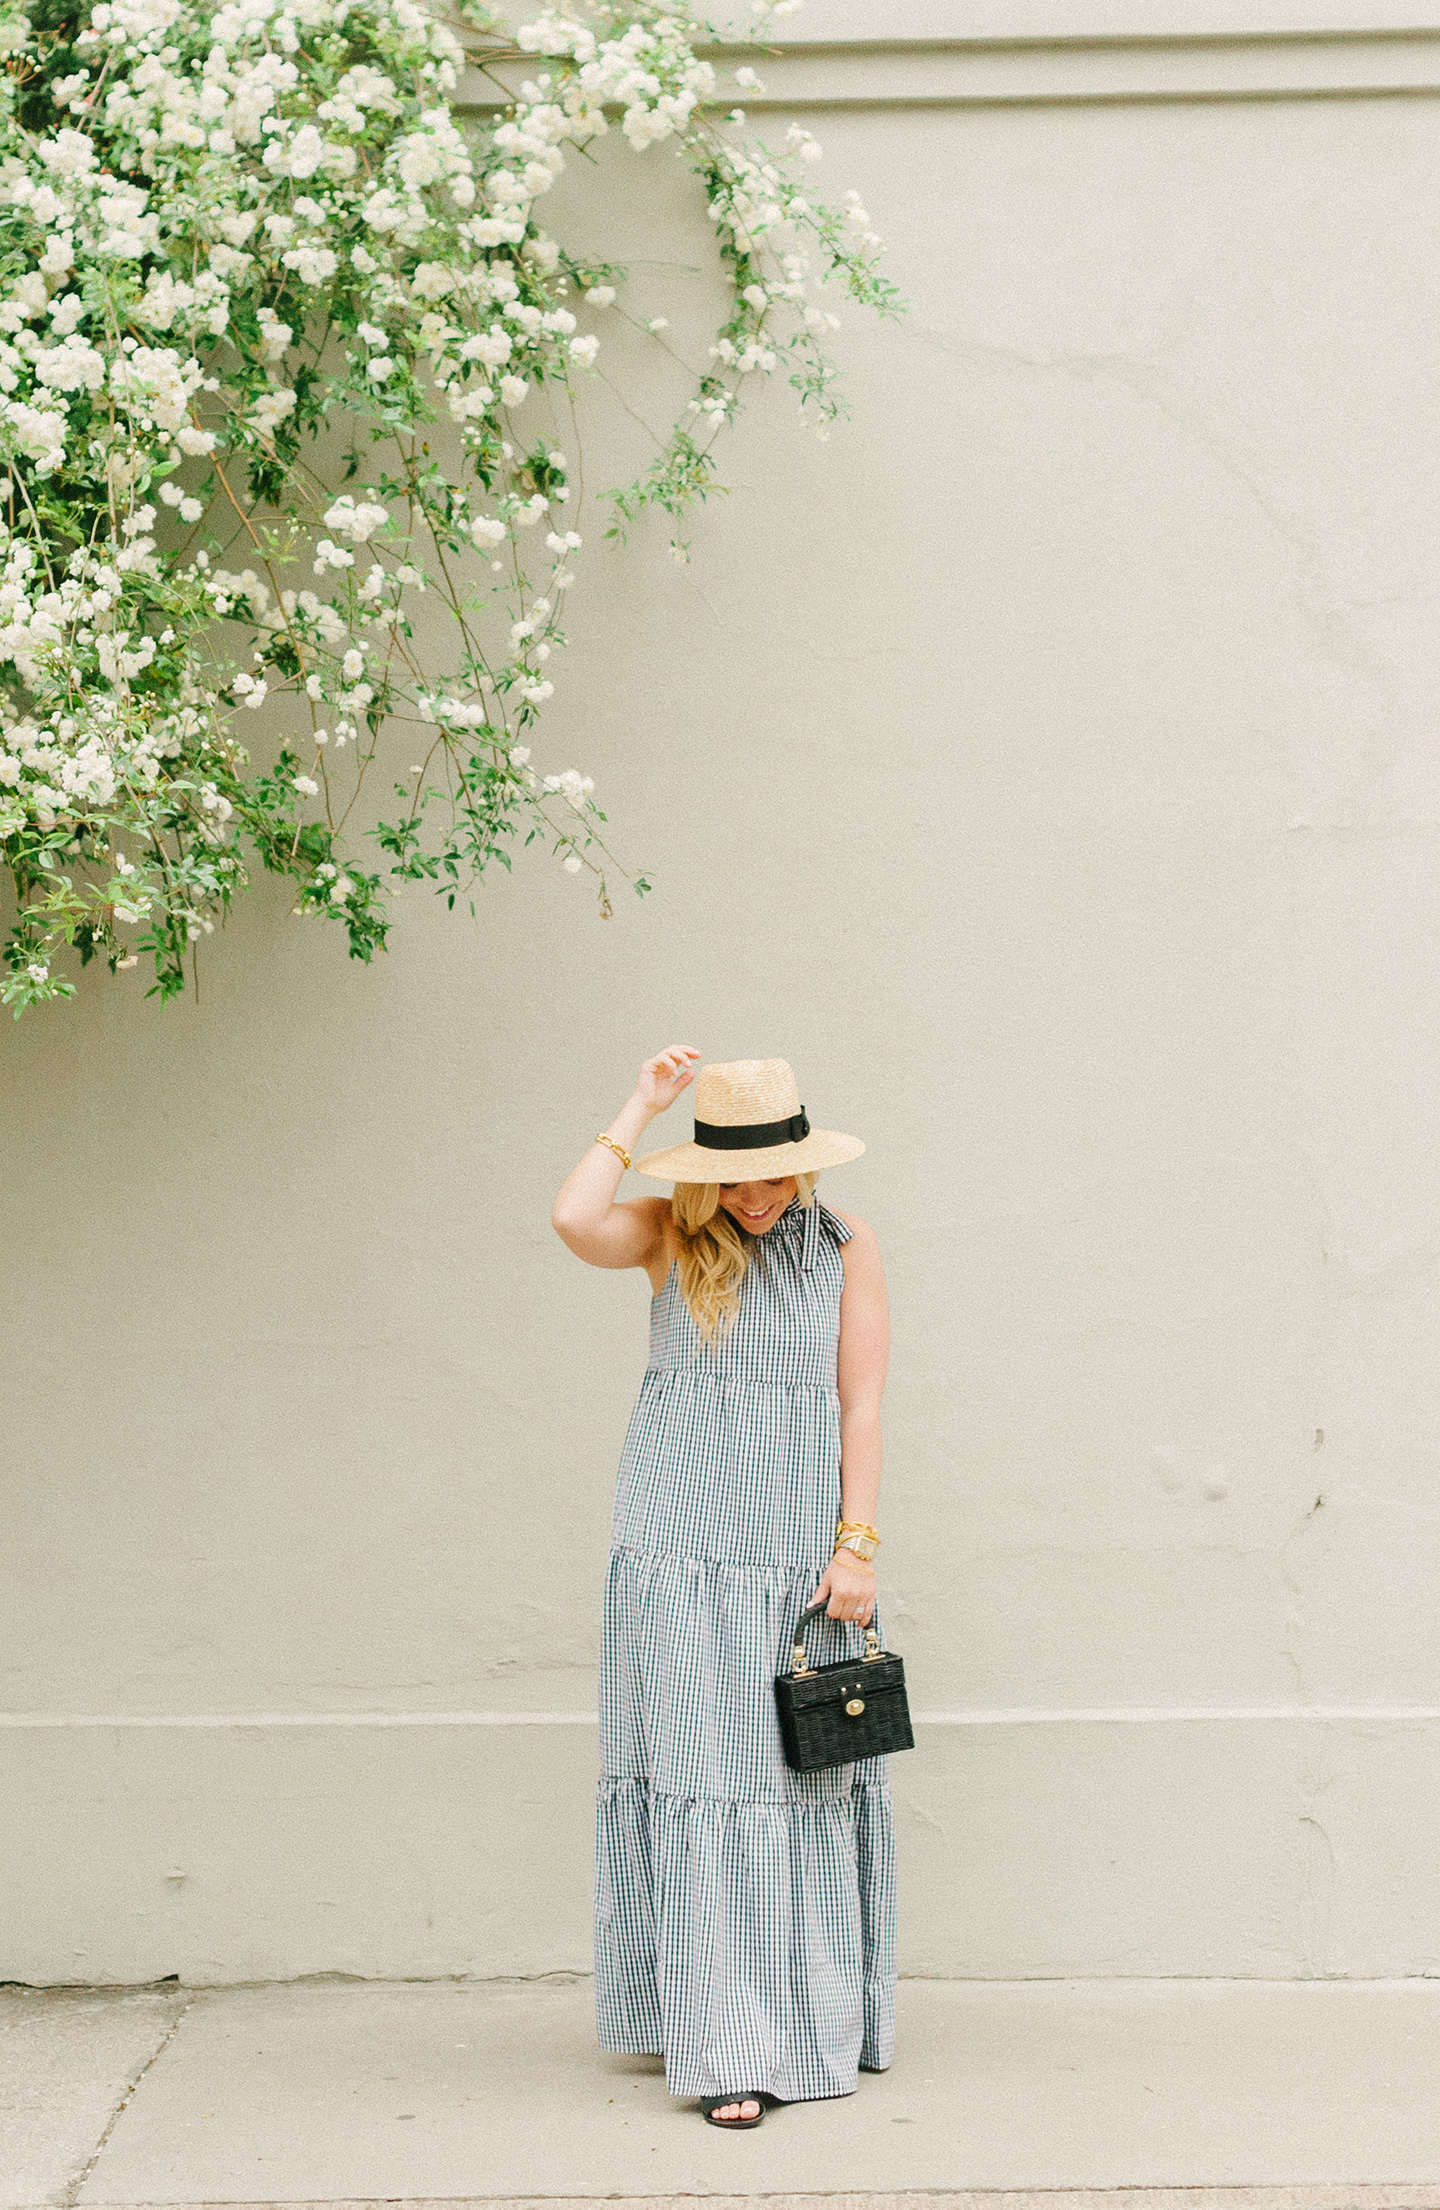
(662, 1078)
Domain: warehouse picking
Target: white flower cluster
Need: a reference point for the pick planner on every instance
(229, 221)
(650, 72)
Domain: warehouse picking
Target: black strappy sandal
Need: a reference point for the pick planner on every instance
(709, 2104)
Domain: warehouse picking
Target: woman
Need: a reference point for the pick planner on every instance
(744, 1912)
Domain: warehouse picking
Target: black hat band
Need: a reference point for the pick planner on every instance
(759, 1136)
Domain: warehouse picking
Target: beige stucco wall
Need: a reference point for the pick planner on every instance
(1048, 767)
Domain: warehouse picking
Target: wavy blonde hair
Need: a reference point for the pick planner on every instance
(714, 1252)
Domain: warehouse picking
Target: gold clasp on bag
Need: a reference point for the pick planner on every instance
(800, 1665)
(855, 1706)
(872, 1645)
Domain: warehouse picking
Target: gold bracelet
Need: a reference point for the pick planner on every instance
(857, 1527)
(860, 1546)
(612, 1145)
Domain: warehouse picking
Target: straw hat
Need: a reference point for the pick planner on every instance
(750, 1126)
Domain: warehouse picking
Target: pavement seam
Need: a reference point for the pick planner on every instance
(70, 2196)
(1322, 2195)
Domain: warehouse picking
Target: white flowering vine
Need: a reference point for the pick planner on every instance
(220, 230)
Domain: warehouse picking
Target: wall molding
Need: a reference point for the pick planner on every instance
(1127, 68)
(1003, 1716)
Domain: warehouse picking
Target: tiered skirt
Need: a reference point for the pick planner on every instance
(744, 1912)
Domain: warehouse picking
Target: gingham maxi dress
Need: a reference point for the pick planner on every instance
(744, 1912)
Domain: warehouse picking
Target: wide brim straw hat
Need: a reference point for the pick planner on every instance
(750, 1126)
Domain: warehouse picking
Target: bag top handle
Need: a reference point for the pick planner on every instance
(873, 1646)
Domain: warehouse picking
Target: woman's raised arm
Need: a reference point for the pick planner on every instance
(585, 1215)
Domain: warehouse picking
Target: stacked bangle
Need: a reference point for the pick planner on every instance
(858, 1537)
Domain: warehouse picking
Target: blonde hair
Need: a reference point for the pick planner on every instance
(714, 1252)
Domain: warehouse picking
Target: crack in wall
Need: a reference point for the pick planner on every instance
(1294, 1592)
(1317, 1867)
(1318, 1887)
(1325, 612)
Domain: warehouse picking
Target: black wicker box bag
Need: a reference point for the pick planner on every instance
(832, 1714)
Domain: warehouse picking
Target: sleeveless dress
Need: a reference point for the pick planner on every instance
(744, 1912)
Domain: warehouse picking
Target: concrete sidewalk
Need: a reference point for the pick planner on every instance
(1189, 2095)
